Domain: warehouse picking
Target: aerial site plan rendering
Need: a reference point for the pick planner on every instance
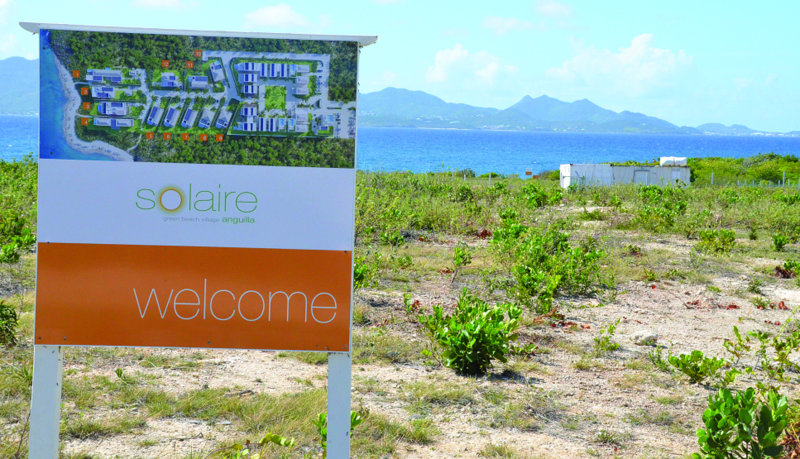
(199, 99)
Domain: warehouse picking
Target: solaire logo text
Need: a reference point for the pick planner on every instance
(173, 199)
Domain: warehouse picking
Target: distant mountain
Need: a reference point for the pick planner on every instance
(721, 129)
(19, 93)
(402, 107)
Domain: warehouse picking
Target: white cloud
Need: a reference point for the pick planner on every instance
(167, 4)
(279, 16)
(387, 2)
(552, 9)
(468, 69)
(8, 45)
(501, 26)
(5, 5)
(742, 82)
(634, 70)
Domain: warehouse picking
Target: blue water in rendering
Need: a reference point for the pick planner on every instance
(53, 144)
(423, 150)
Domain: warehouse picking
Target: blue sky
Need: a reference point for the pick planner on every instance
(688, 62)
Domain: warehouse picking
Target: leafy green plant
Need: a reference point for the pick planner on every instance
(259, 450)
(392, 238)
(656, 357)
(545, 263)
(364, 273)
(754, 285)
(792, 266)
(536, 196)
(716, 241)
(464, 193)
(760, 302)
(779, 241)
(321, 423)
(9, 253)
(461, 257)
(696, 366)
(660, 206)
(739, 425)
(475, 334)
(604, 342)
(8, 324)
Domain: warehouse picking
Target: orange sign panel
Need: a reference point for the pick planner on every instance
(126, 295)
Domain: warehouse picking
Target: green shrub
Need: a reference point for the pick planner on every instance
(8, 324)
(511, 229)
(792, 266)
(742, 426)
(536, 196)
(363, 273)
(696, 366)
(779, 241)
(392, 238)
(604, 342)
(475, 334)
(461, 255)
(789, 199)
(716, 241)
(660, 206)
(545, 263)
(463, 193)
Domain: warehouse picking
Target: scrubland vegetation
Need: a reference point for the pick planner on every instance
(493, 317)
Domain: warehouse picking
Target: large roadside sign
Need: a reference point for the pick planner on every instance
(196, 189)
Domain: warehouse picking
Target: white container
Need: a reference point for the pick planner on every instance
(673, 161)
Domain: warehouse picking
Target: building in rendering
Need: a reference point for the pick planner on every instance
(206, 118)
(155, 116)
(113, 123)
(188, 118)
(217, 74)
(170, 80)
(223, 119)
(104, 75)
(172, 117)
(103, 92)
(112, 108)
(198, 82)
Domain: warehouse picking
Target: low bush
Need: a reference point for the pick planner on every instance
(696, 366)
(716, 241)
(779, 241)
(741, 425)
(8, 324)
(475, 334)
(604, 342)
(546, 263)
(660, 206)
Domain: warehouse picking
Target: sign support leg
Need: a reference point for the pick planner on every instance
(339, 373)
(46, 401)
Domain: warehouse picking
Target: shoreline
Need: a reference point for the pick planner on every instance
(68, 123)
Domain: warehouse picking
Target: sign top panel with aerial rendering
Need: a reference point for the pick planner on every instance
(198, 98)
